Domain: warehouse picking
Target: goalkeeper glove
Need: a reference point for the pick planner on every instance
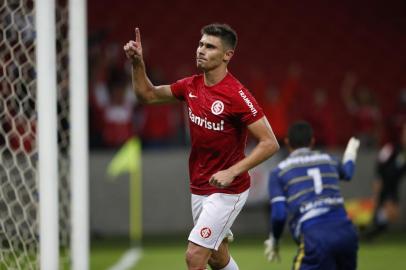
(272, 249)
(351, 150)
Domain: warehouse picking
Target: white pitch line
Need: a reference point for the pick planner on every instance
(128, 260)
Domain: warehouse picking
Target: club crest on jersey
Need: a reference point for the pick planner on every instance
(217, 107)
(205, 232)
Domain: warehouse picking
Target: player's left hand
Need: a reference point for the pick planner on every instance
(351, 150)
(222, 179)
(272, 249)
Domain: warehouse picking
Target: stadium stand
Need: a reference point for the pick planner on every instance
(327, 41)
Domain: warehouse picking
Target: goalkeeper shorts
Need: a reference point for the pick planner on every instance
(330, 244)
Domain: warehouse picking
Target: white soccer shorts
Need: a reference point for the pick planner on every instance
(213, 217)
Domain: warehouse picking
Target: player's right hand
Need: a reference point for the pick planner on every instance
(272, 249)
(133, 49)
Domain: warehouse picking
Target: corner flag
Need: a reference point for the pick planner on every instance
(128, 160)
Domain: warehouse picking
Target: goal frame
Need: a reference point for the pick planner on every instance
(47, 134)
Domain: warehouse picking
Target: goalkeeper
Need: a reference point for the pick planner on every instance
(306, 186)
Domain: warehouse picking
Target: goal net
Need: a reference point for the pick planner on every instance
(19, 192)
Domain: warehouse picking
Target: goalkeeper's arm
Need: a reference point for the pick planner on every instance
(278, 219)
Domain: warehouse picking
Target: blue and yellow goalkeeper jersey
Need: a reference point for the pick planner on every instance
(306, 184)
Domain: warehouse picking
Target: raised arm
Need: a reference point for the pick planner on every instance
(266, 147)
(347, 166)
(146, 92)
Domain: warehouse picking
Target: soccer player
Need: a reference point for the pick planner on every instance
(390, 167)
(221, 111)
(306, 185)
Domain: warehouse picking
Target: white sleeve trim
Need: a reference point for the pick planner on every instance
(278, 199)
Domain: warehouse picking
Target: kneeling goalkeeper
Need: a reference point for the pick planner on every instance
(306, 185)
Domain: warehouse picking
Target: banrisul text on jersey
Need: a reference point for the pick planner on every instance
(203, 122)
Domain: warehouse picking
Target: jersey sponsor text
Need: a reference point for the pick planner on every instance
(248, 102)
(203, 122)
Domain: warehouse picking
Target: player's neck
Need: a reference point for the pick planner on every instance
(214, 76)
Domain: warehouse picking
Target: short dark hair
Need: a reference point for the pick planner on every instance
(300, 134)
(223, 31)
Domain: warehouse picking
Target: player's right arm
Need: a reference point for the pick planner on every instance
(146, 92)
(278, 209)
(278, 217)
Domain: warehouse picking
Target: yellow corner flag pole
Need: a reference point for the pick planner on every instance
(128, 160)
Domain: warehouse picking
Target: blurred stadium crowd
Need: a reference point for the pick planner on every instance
(339, 66)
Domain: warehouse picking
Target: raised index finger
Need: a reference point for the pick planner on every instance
(137, 35)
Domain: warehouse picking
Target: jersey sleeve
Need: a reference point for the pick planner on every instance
(278, 208)
(345, 170)
(275, 188)
(178, 88)
(278, 218)
(246, 107)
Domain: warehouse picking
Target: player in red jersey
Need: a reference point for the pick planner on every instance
(221, 111)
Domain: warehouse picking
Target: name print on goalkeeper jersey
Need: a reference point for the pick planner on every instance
(309, 183)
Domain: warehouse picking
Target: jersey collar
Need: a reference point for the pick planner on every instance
(300, 151)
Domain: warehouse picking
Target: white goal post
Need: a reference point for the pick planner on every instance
(47, 134)
(79, 135)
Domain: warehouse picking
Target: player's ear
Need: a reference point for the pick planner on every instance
(228, 55)
(312, 142)
(286, 141)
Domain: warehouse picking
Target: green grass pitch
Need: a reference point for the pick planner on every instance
(384, 253)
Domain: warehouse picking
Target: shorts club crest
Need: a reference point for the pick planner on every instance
(205, 232)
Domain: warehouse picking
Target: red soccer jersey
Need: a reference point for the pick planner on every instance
(218, 119)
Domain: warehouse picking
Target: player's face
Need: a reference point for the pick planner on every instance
(211, 53)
